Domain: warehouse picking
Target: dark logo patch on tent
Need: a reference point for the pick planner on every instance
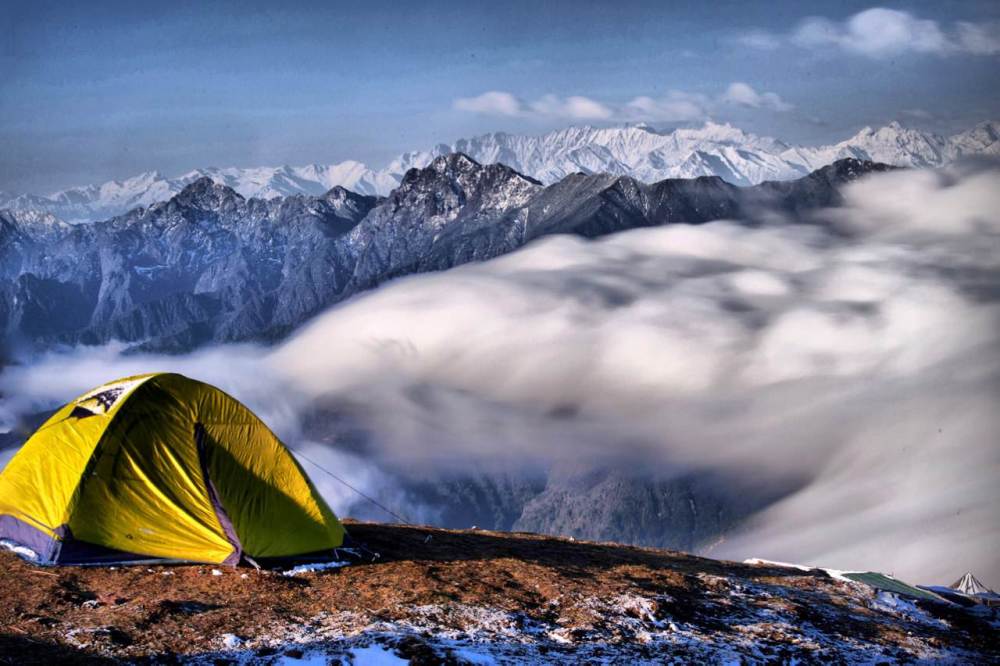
(109, 397)
(102, 401)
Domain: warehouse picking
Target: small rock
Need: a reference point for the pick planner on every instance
(119, 637)
(231, 641)
(216, 572)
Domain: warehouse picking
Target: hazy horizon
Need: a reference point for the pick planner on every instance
(662, 129)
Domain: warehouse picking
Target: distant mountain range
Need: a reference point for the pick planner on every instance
(210, 265)
(638, 151)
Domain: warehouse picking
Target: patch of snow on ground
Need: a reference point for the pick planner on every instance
(311, 568)
(764, 624)
(894, 604)
(840, 574)
(832, 573)
(776, 563)
(26, 553)
(376, 655)
(472, 656)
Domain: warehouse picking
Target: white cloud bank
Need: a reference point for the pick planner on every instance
(866, 365)
(673, 106)
(880, 32)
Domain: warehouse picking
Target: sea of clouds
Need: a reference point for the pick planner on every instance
(858, 352)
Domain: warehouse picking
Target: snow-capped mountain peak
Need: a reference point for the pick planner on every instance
(895, 144)
(637, 150)
(983, 139)
(726, 133)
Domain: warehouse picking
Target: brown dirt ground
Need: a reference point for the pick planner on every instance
(142, 611)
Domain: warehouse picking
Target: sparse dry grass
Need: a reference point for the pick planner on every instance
(135, 612)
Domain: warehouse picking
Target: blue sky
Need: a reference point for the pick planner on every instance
(92, 91)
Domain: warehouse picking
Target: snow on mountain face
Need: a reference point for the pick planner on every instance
(638, 151)
(741, 158)
(313, 179)
(98, 202)
(210, 264)
(893, 144)
(983, 139)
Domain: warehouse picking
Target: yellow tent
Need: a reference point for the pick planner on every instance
(160, 467)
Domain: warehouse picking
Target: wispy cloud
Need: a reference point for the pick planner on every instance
(760, 39)
(880, 32)
(501, 103)
(673, 106)
(575, 107)
(981, 39)
(874, 32)
(494, 102)
(743, 94)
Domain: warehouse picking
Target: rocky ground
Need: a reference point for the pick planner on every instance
(440, 596)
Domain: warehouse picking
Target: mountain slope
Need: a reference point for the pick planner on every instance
(640, 152)
(453, 194)
(740, 158)
(439, 596)
(207, 264)
(98, 202)
(211, 265)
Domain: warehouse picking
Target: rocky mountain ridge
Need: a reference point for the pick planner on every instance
(210, 265)
(638, 151)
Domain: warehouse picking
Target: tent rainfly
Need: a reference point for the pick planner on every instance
(970, 585)
(160, 467)
(974, 588)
